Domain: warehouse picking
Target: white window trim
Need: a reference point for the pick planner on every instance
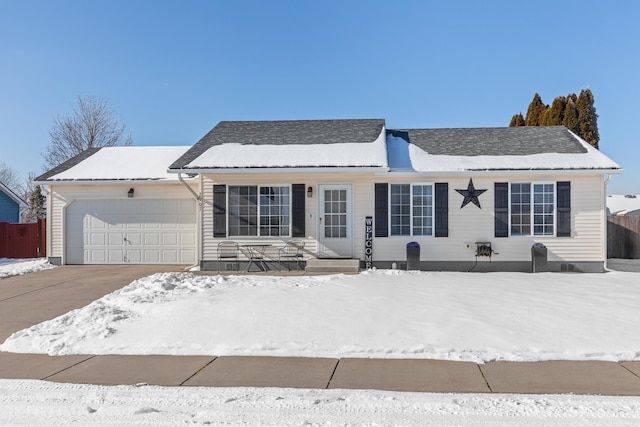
(258, 235)
(531, 204)
(433, 208)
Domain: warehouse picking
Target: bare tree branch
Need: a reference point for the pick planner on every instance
(92, 124)
(10, 178)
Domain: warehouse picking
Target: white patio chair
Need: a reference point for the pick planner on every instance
(292, 250)
(228, 251)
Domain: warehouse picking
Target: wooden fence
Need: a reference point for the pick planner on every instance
(623, 237)
(23, 240)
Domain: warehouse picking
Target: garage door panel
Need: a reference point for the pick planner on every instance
(96, 256)
(170, 256)
(151, 238)
(169, 239)
(134, 239)
(131, 231)
(96, 239)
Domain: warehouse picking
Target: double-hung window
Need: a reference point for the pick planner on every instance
(259, 210)
(411, 209)
(532, 209)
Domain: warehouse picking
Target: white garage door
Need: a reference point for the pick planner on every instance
(131, 232)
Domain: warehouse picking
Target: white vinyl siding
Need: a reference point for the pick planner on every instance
(466, 225)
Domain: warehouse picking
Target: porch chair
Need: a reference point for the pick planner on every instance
(228, 250)
(292, 250)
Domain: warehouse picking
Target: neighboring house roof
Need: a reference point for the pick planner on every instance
(13, 196)
(117, 164)
(488, 149)
(623, 204)
(290, 143)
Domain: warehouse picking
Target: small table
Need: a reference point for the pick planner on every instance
(255, 253)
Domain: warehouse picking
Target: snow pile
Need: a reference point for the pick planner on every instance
(475, 317)
(42, 403)
(14, 267)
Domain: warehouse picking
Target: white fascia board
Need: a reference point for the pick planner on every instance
(369, 169)
(507, 172)
(114, 181)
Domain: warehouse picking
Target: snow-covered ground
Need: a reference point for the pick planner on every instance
(456, 316)
(14, 267)
(475, 317)
(43, 403)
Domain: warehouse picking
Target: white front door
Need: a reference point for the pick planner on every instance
(335, 220)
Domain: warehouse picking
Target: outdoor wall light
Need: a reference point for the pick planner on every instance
(310, 192)
(130, 193)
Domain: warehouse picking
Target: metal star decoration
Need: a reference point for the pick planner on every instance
(471, 195)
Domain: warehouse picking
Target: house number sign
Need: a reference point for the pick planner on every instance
(368, 242)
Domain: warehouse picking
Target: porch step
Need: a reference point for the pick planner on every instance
(329, 265)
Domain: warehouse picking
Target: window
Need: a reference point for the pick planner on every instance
(411, 209)
(535, 208)
(521, 209)
(259, 210)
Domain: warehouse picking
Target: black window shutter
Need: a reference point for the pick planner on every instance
(563, 206)
(297, 210)
(442, 209)
(219, 210)
(381, 210)
(501, 208)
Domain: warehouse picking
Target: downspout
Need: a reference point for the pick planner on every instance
(198, 220)
(605, 223)
(47, 189)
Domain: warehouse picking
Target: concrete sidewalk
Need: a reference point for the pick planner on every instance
(33, 298)
(437, 376)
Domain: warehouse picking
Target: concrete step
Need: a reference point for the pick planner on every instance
(329, 265)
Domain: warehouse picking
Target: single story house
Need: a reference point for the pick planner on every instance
(471, 198)
(623, 205)
(11, 206)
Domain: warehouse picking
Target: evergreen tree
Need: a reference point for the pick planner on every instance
(535, 111)
(37, 206)
(555, 114)
(517, 120)
(587, 118)
(570, 116)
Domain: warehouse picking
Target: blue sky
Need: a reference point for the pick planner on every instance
(175, 69)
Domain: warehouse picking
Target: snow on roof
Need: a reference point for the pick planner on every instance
(406, 156)
(235, 155)
(622, 204)
(124, 163)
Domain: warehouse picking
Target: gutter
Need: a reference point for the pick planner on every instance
(467, 172)
(605, 222)
(328, 169)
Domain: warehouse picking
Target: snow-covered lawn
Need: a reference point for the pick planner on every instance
(14, 267)
(386, 313)
(456, 316)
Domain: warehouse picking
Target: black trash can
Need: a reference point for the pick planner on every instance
(539, 258)
(413, 256)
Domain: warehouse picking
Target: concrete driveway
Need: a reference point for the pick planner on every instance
(35, 297)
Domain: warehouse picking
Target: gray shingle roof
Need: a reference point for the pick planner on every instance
(68, 164)
(285, 132)
(508, 141)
